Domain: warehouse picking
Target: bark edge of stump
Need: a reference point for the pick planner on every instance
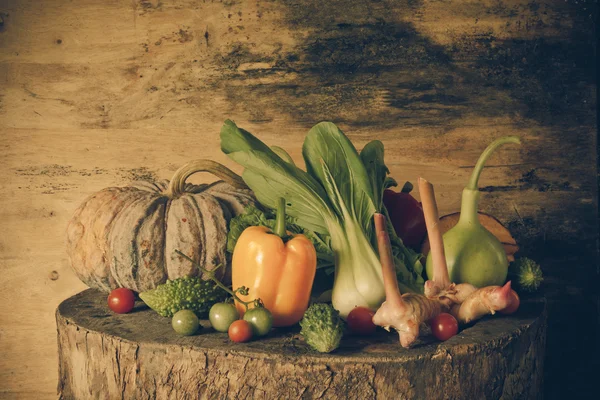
(138, 355)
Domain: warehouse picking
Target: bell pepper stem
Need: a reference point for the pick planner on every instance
(407, 188)
(280, 219)
(211, 275)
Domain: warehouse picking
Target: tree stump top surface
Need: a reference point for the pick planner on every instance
(88, 310)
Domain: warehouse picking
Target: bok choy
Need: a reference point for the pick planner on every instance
(336, 197)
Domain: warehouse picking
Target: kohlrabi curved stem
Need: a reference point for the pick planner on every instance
(279, 229)
(470, 194)
(474, 181)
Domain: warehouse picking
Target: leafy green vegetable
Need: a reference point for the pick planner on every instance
(322, 327)
(372, 157)
(252, 216)
(332, 159)
(188, 293)
(271, 177)
(407, 262)
(283, 154)
(337, 196)
(526, 274)
(473, 254)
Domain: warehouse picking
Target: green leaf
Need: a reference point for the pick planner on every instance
(283, 154)
(389, 182)
(408, 265)
(333, 160)
(322, 243)
(252, 216)
(271, 177)
(372, 157)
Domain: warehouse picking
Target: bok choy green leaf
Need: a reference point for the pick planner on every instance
(337, 196)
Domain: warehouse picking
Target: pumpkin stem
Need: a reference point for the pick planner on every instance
(177, 185)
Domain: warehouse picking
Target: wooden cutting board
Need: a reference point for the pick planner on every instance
(138, 355)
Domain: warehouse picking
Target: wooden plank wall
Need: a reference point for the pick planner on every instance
(96, 93)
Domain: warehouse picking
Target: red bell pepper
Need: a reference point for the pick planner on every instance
(406, 215)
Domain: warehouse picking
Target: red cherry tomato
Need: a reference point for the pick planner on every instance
(121, 300)
(360, 321)
(240, 331)
(444, 326)
(513, 304)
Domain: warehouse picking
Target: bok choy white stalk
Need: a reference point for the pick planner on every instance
(336, 196)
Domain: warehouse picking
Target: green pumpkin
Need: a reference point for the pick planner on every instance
(127, 236)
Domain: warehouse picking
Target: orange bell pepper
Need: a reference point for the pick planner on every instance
(277, 268)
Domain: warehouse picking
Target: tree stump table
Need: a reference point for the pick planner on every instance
(139, 356)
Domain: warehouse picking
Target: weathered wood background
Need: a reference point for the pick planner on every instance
(96, 93)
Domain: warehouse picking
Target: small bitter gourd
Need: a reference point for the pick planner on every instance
(322, 327)
(188, 293)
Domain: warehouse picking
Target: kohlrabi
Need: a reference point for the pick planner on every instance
(473, 254)
(337, 196)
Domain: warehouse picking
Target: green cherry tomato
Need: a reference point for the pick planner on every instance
(222, 315)
(260, 319)
(185, 322)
